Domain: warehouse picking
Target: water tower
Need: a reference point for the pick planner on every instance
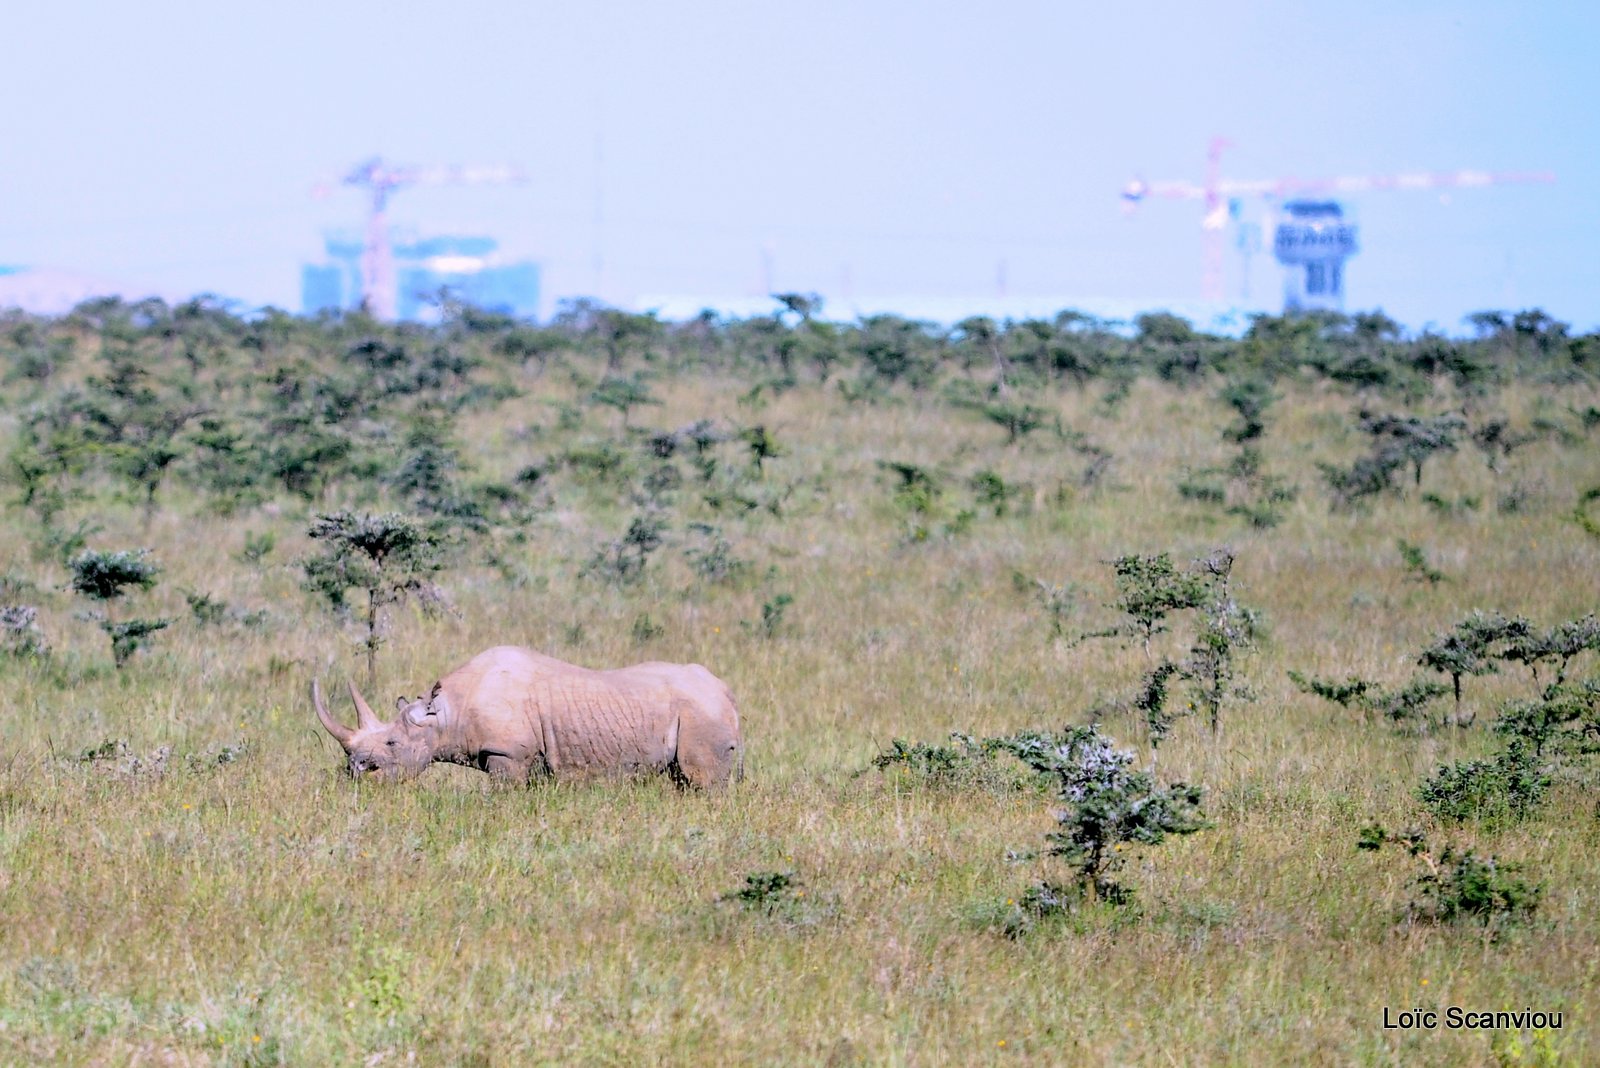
(1312, 241)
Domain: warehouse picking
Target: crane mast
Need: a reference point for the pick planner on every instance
(1304, 221)
(381, 180)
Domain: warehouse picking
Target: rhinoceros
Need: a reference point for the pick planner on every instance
(515, 713)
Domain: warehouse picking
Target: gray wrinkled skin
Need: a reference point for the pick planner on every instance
(515, 713)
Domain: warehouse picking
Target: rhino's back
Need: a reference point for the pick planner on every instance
(581, 721)
(706, 695)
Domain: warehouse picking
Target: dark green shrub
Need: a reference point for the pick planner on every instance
(966, 763)
(772, 613)
(1150, 588)
(763, 447)
(920, 496)
(1457, 886)
(1397, 441)
(623, 394)
(1416, 563)
(1560, 644)
(1018, 420)
(1249, 398)
(1564, 719)
(1151, 702)
(713, 558)
(777, 896)
(1507, 789)
(646, 629)
(764, 891)
(128, 637)
(994, 493)
(623, 560)
(106, 578)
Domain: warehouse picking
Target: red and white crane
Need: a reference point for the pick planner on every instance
(1215, 193)
(382, 179)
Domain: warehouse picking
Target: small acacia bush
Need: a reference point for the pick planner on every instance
(1107, 807)
(1476, 646)
(1507, 789)
(713, 558)
(105, 578)
(1456, 886)
(20, 634)
(1149, 590)
(623, 561)
(1473, 647)
(1564, 720)
(780, 898)
(765, 892)
(1407, 707)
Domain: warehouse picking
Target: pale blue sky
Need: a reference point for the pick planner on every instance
(864, 148)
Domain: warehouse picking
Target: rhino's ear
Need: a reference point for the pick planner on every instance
(430, 713)
(400, 704)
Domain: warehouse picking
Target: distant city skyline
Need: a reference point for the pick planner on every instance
(863, 151)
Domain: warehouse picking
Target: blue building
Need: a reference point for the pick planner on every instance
(1312, 241)
(468, 268)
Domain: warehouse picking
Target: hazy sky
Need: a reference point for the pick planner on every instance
(856, 148)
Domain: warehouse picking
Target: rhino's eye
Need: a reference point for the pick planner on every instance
(390, 743)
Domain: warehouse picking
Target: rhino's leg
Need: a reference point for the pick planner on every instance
(709, 750)
(505, 768)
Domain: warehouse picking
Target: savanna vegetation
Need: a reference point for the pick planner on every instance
(1111, 695)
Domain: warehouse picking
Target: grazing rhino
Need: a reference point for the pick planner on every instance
(515, 713)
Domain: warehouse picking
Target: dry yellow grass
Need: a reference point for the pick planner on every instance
(271, 911)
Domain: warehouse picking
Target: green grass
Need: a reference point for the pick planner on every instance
(269, 910)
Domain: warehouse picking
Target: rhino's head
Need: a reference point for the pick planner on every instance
(398, 750)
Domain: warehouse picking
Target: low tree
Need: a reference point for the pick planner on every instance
(387, 557)
(624, 393)
(1150, 588)
(763, 447)
(622, 561)
(1249, 398)
(1018, 420)
(1472, 647)
(106, 578)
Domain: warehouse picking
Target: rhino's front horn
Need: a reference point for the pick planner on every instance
(341, 733)
(365, 718)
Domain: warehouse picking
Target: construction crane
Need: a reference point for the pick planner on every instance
(1218, 196)
(382, 179)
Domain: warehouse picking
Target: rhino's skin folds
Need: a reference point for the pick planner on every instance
(515, 713)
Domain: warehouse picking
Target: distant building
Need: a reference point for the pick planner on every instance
(468, 267)
(1312, 241)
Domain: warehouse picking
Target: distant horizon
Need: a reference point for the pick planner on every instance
(1222, 319)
